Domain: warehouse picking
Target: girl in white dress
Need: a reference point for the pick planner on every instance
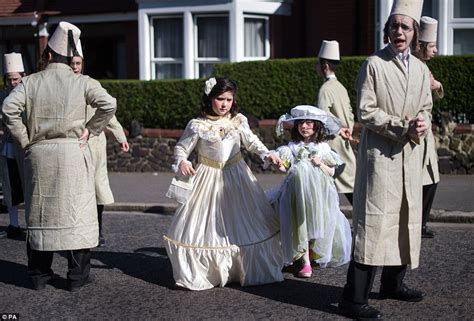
(225, 230)
(307, 201)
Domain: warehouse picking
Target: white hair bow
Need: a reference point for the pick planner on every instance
(210, 83)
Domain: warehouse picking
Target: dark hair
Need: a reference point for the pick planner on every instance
(414, 46)
(320, 132)
(55, 57)
(22, 74)
(331, 63)
(422, 52)
(222, 85)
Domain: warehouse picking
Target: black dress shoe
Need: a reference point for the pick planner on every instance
(359, 311)
(403, 294)
(75, 286)
(427, 233)
(39, 284)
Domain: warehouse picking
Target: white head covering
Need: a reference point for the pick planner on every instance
(12, 62)
(301, 112)
(428, 29)
(79, 48)
(410, 8)
(59, 41)
(329, 50)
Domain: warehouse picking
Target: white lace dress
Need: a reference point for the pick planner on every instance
(226, 230)
(308, 206)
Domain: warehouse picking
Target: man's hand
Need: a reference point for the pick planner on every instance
(124, 147)
(416, 127)
(84, 138)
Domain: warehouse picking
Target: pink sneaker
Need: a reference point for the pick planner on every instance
(305, 272)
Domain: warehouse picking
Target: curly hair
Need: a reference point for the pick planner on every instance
(222, 85)
(414, 45)
(422, 52)
(320, 132)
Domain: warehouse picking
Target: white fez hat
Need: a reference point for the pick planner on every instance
(79, 49)
(410, 8)
(59, 41)
(12, 62)
(428, 29)
(329, 50)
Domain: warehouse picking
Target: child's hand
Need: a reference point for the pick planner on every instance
(316, 161)
(186, 168)
(275, 160)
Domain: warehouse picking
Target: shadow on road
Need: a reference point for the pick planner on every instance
(14, 274)
(149, 264)
(305, 294)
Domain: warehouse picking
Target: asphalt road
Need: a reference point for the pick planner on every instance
(134, 281)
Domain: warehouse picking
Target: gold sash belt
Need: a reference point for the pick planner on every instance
(220, 165)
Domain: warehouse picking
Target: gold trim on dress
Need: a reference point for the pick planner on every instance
(220, 165)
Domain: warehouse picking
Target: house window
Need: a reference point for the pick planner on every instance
(255, 35)
(462, 41)
(167, 47)
(211, 43)
(463, 9)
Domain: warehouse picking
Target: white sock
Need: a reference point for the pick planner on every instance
(13, 213)
(306, 258)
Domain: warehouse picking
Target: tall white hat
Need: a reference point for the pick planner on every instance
(79, 48)
(410, 8)
(12, 62)
(329, 50)
(59, 40)
(428, 29)
(301, 112)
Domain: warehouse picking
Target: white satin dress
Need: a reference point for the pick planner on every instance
(226, 231)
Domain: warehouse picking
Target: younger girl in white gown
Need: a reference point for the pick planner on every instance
(307, 200)
(225, 230)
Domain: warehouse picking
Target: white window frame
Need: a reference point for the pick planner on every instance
(453, 24)
(213, 60)
(165, 60)
(267, 37)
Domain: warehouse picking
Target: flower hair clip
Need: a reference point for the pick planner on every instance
(210, 83)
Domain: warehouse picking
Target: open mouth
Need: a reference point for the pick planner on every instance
(398, 41)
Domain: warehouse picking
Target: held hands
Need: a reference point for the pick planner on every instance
(186, 168)
(416, 127)
(276, 162)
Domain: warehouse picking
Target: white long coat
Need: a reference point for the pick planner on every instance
(388, 185)
(60, 204)
(98, 146)
(334, 99)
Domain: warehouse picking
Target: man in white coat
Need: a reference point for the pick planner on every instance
(394, 102)
(334, 99)
(60, 205)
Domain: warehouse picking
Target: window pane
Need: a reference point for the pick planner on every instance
(463, 43)
(463, 9)
(168, 37)
(205, 70)
(168, 71)
(255, 37)
(213, 37)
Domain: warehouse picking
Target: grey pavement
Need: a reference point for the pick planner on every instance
(145, 192)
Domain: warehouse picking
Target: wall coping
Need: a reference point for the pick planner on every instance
(269, 123)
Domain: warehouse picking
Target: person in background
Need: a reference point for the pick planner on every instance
(11, 159)
(393, 104)
(334, 99)
(428, 50)
(98, 147)
(60, 206)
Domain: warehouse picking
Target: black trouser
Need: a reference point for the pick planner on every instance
(349, 197)
(15, 182)
(100, 210)
(429, 192)
(39, 265)
(360, 278)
